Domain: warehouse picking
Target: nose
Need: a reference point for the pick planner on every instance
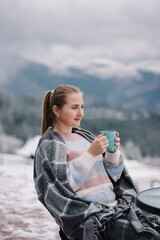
(80, 112)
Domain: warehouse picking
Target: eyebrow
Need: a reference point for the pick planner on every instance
(75, 105)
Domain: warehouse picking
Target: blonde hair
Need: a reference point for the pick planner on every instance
(55, 97)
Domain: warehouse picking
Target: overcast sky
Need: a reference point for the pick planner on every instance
(100, 37)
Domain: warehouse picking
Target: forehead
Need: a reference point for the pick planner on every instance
(74, 98)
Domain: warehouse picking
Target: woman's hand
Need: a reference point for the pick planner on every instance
(99, 145)
(117, 139)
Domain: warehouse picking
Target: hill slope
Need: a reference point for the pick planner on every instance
(131, 93)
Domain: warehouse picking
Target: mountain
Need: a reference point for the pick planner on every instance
(21, 116)
(130, 93)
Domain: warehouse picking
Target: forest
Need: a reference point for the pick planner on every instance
(20, 116)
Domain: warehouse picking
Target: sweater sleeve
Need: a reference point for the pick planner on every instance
(79, 168)
(114, 164)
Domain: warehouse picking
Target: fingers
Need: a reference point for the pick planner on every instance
(102, 138)
(99, 145)
(117, 139)
(99, 136)
(102, 142)
(117, 144)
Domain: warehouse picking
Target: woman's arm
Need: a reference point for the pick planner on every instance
(114, 164)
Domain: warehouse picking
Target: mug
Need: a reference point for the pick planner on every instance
(110, 135)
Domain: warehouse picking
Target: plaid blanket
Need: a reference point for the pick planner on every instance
(80, 219)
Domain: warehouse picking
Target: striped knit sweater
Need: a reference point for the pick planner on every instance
(87, 175)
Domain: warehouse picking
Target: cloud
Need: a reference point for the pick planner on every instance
(61, 59)
(103, 38)
(10, 64)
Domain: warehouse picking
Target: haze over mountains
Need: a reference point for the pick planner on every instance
(131, 87)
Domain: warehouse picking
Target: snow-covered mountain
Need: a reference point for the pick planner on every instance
(129, 86)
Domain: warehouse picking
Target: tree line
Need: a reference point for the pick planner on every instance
(20, 116)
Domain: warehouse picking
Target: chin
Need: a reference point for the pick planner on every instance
(77, 124)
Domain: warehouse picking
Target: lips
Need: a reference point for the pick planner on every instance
(77, 119)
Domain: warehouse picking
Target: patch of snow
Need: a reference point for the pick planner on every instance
(9, 143)
(29, 148)
(22, 216)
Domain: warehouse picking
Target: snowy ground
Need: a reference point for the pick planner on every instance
(22, 216)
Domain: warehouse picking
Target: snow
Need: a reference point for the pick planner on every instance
(29, 148)
(8, 143)
(22, 216)
(144, 175)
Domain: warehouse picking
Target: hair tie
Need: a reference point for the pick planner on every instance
(52, 91)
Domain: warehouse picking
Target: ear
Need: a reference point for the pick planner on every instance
(55, 110)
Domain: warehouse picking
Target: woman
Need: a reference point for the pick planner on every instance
(87, 190)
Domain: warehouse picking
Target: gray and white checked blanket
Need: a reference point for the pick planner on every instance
(80, 219)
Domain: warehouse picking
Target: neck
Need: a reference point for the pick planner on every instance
(62, 129)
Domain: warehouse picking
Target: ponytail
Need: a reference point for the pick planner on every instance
(58, 98)
(47, 118)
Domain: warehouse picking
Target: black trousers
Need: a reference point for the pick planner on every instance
(115, 229)
(62, 235)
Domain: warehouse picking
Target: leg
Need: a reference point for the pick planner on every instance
(121, 229)
(62, 235)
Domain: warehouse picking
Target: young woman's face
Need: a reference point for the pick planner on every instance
(72, 112)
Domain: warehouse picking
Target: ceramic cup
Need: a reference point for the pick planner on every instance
(110, 135)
